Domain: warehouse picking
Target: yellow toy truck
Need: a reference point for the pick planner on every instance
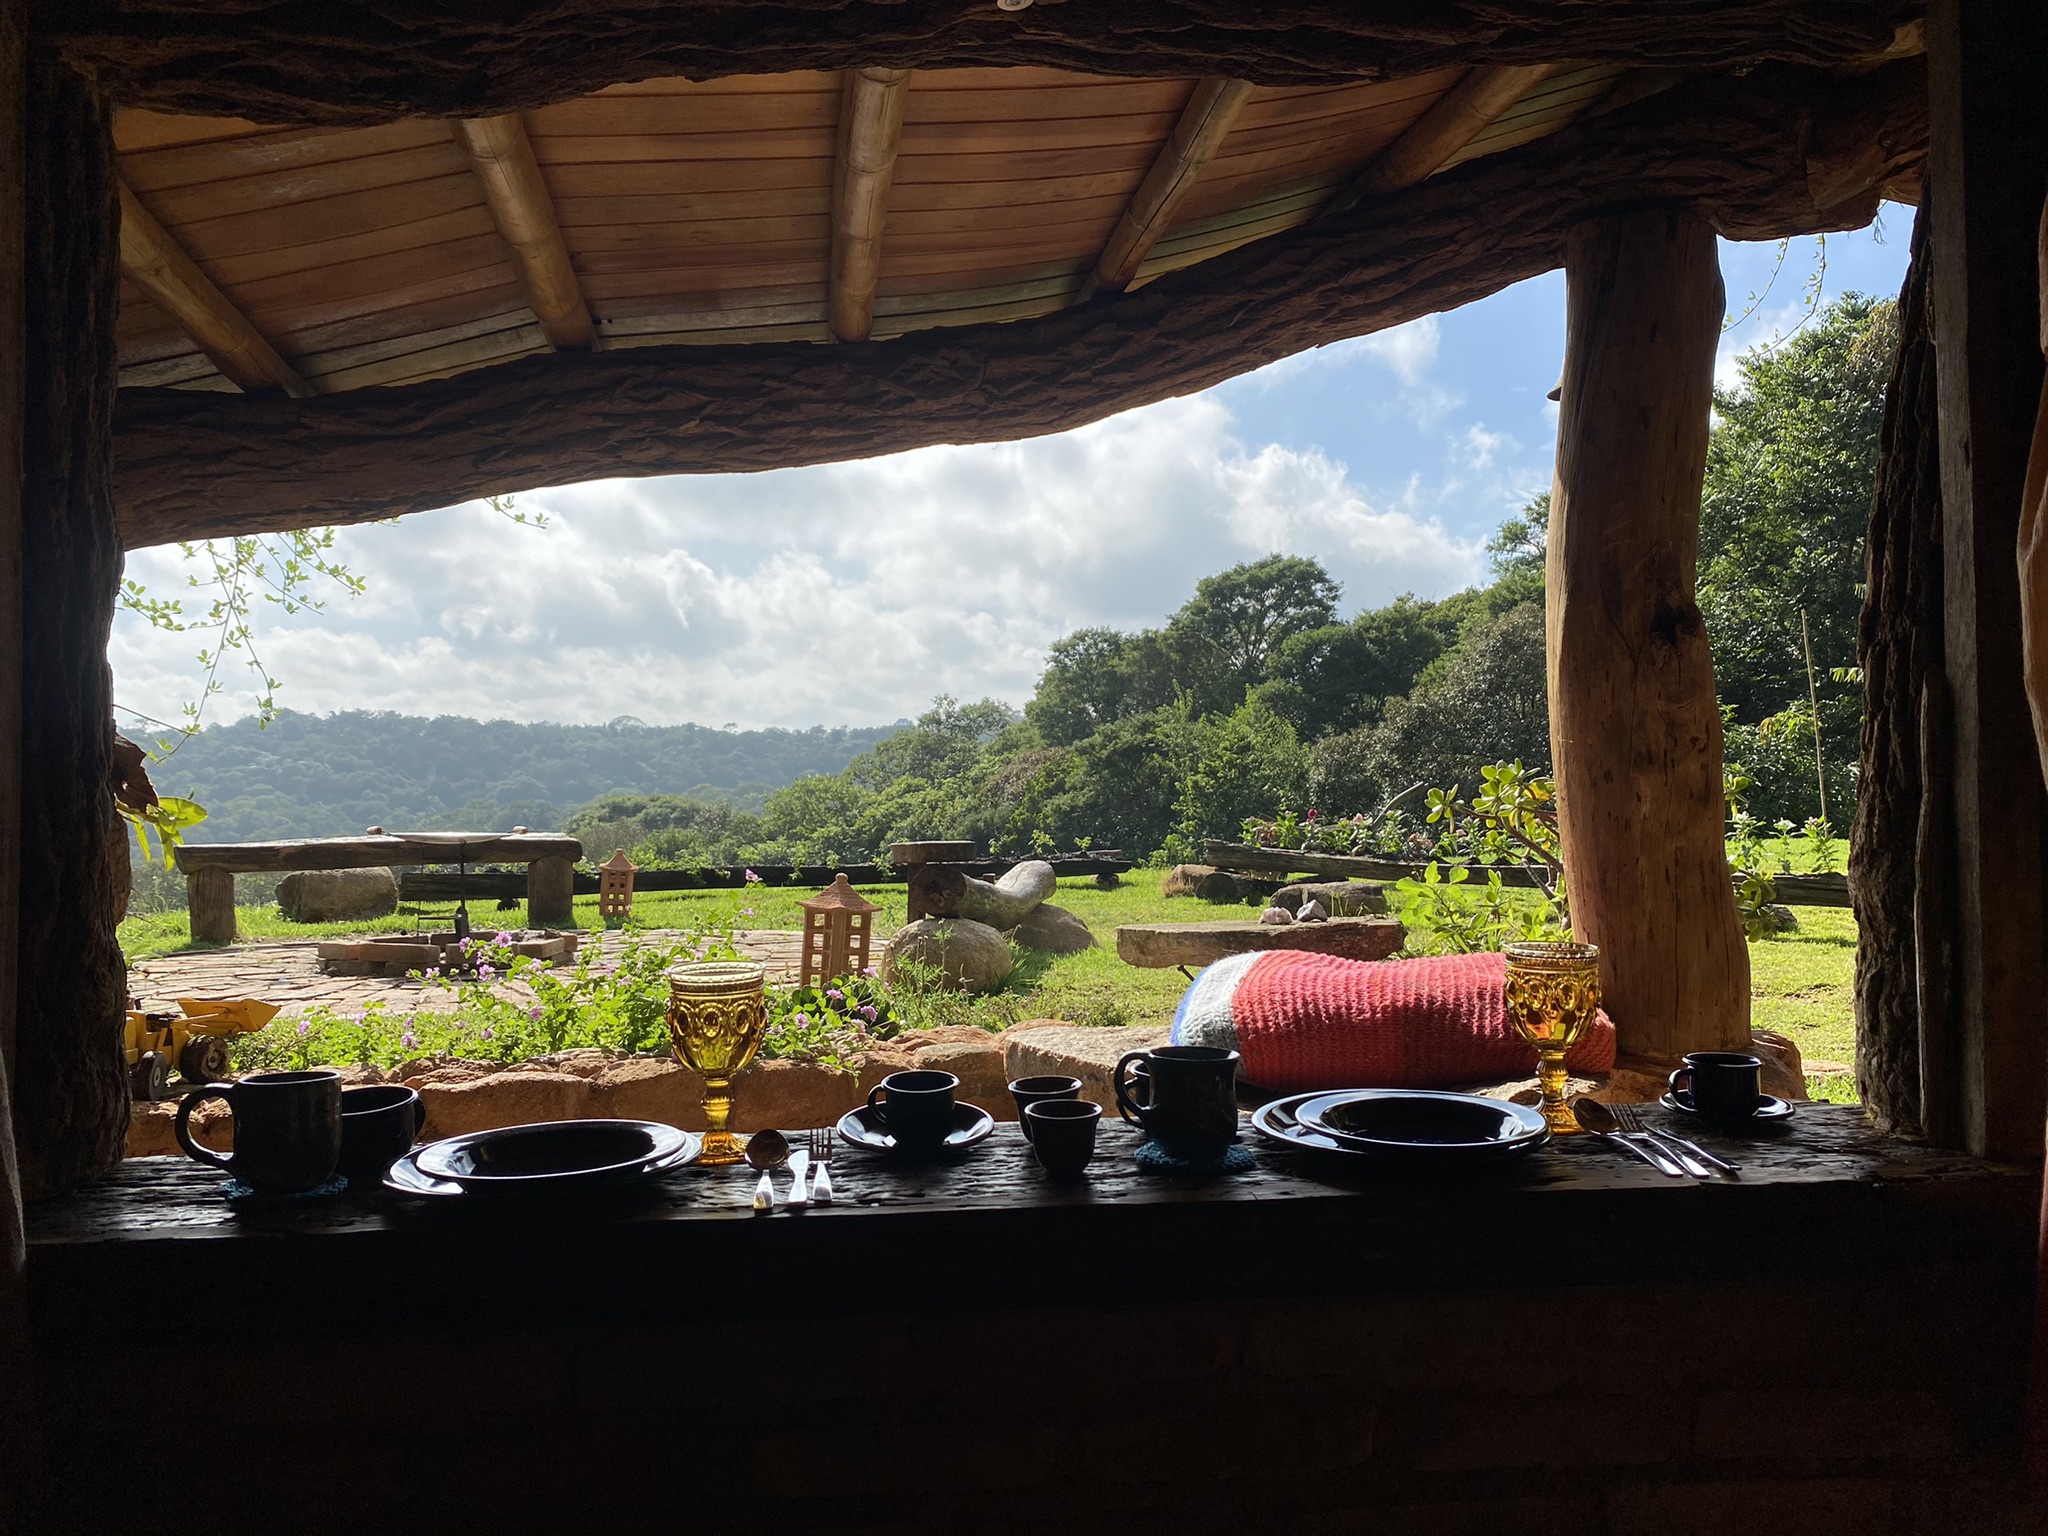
(195, 1039)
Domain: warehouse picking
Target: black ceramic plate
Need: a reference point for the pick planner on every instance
(970, 1125)
(1397, 1133)
(524, 1158)
(1769, 1112)
(405, 1176)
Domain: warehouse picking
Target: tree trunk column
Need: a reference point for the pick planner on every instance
(71, 1089)
(551, 892)
(1634, 725)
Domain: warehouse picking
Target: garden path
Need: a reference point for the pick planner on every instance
(288, 973)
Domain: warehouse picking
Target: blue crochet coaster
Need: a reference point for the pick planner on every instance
(239, 1194)
(1154, 1158)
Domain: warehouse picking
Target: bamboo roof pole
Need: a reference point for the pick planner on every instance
(159, 264)
(1211, 112)
(870, 123)
(521, 207)
(1454, 120)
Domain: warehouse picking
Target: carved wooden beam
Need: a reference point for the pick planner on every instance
(325, 63)
(870, 123)
(525, 215)
(189, 464)
(1454, 120)
(1205, 122)
(202, 311)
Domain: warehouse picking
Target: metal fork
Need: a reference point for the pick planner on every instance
(1699, 1162)
(820, 1141)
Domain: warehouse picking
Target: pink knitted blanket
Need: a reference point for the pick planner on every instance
(1304, 1021)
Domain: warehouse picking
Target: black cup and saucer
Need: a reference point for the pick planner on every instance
(1723, 1089)
(915, 1114)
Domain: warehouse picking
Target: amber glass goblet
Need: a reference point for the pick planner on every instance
(1553, 991)
(717, 1011)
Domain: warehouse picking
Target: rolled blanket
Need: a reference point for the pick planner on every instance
(1304, 1021)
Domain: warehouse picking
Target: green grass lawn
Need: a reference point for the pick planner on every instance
(1800, 982)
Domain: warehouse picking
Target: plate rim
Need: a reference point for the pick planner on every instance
(657, 1131)
(683, 1157)
(1261, 1120)
(1786, 1109)
(1520, 1114)
(977, 1131)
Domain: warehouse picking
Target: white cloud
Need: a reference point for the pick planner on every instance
(848, 593)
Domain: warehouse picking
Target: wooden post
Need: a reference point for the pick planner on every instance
(1986, 171)
(551, 892)
(1634, 726)
(71, 1090)
(1897, 808)
(210, 903)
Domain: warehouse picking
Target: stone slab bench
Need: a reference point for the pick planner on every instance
(1158, 945)
(210, 868)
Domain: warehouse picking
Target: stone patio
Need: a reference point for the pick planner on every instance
(288, 974)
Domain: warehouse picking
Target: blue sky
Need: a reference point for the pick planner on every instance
(852, 593)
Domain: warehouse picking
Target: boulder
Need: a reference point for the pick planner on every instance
(1276, 917)
(1339, 898)
(981, 1068)
(649, 1088)
(503, 1098)
(337, 895)
(1043, 1048)
(1054, 930)
(1784, 1074)
(969, 955)
(791, 1095)
(1203, 880)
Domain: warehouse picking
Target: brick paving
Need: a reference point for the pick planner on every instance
(288, 972)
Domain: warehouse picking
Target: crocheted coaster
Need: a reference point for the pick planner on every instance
(239, 1194)
(1154, 1158)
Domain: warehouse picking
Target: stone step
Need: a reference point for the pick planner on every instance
(1157, 945)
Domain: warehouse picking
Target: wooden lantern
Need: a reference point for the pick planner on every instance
(836, 927)
(615, 885)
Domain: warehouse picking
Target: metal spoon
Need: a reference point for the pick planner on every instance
(767, 1149)
(1597, 1119)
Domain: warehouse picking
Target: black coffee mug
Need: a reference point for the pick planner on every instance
(916, 1108)
(1190, 1104)
(1028, 1091)
(287, 1129)
(1062, 1133)
(1722, 1085)
(378, 1126)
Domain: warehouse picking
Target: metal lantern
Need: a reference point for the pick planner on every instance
(615, 885)
(836, 926)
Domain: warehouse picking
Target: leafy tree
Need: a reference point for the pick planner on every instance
(1339, 677)
(1787, 506)
(1242, 615)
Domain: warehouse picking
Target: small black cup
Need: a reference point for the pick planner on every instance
(1062, 1134)
(1722, 1085)
(378, 1126)
(1190, 1104)
(1028, 1091)
(287, 1129)
(917, 1108)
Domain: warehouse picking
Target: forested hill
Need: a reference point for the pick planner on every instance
(332, 775)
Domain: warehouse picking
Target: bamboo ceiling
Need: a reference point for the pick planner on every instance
(703, 212)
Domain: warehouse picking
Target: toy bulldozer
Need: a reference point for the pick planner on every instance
(196, 1040)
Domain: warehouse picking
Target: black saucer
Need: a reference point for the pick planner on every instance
(1770, 1112)
(971, 1124)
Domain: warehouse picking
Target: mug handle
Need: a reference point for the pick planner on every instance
(880, 1113)
(419, 1119)
(191, 1101)
(1672, 1084)
(1126, 1106)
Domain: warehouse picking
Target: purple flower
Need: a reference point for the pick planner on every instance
(752, 878)
(303, 1028)
(409, 1041)
(746, 911)
(536, 1013)
(485, 971)
(801, 1020)
(868, 1012)
(503, 938)
(487, 1031)
(835, 994)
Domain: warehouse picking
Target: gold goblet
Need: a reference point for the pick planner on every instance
(717, 1011)
(1553, 991)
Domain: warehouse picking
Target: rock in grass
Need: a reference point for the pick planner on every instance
(1054, 931)
(969, 955)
